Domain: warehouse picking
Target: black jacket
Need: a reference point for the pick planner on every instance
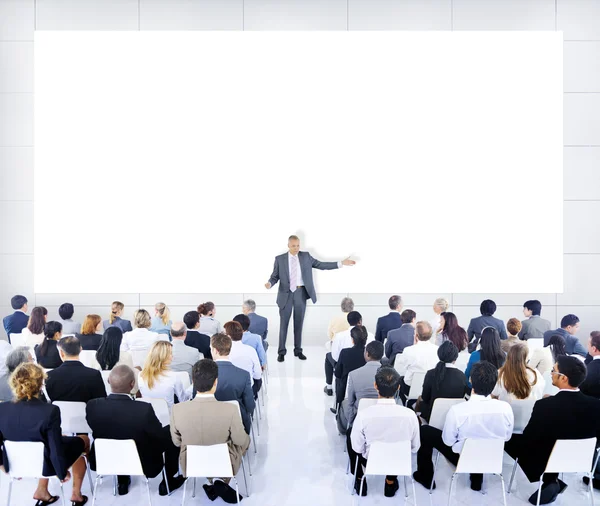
(591, 385)
(453, 386)
(199, 341)
(89, 341)
(72, 381)
(385, 324)
(51, 360)
(350, 359)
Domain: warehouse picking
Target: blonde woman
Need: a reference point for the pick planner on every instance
(156, 380)
(209, 325)
(115, 320)
(140, 339)
(161, 321)
(440, 306)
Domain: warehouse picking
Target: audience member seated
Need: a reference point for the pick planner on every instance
(339, 322)
(28, 418)
(350, 359)
(250, 339)
(66, 312)
(487, 319)
(490, 351)
(591, 385)
(34, 332)
(444, 381)
(450, 330)
(46, 353)
(419, 357)
(535, 326)
(72, 381)
(569, 325)
(16, 322)
(258, 324)
(156, 380)
(209, 325)
(440, 306)
(15, 358)
(234, 383)
(402, 337)
(390, 321)
(244, 356)
(91, 332)
(194, 338)
(184, 356)
(140, 339)
(540, 358)
(569, 414)
(513, 327)
(557, 347)
(115, 320)
(516, 380)
(161, 321)
(118, 416)
(109, 353)
(480, 417)
(385, 422)
(206, 421)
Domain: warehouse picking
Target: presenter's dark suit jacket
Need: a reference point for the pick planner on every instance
(281, 273)
(350, 359)
(15, 323)
(591, 385)
(386, 323)
(74, 382)
(120, 417)
(199, 341)
(234, 385)
(258, 325)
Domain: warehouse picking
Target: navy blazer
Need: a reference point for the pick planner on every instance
(234, 385)
(258, 325)
(35, 421)
(199, 341)
(73, 381)
(385, 324)
(124, 325)
(15, 323)
(572, 345)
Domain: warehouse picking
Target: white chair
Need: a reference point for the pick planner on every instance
(185, 378)
(117, 457)
(87, 357)
(532, 344)
(26, 460)
(549, 388)
(139, 357)
(416, 386)
(236, 403)
(393, 459)
(207, 462)
(105, 375)
(522, 410)
(363, 403)
(463, 360)
(17, 340)
(161, 409)
(483, 456)
(400, 366)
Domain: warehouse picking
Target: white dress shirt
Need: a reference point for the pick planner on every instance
(165, 387)
(435, 323)
(480, 417)
(141, 339)
(299, 279)
(245, 357)
(537, 390)
(343, 340)
(420, 357)
(387, 422)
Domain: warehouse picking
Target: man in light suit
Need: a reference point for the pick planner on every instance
(16, 322)
(184, 356)
(258, 324)
(294, 272)
(535, 326)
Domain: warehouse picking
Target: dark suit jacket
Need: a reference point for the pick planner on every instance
(199, 341)
(591, 385)
(15, 323)
(120, 417)
(124, 325)
(399, 339)
(89, 341)
(35, 421)
(350, 359)
(386, 323)
(281, 273)
(476, 325)
(72, 381)
(51, 360)
(572, 344)
(454, 386)
(234, 385)
(258, 325)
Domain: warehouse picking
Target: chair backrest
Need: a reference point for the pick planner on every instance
(204, 461)
(571, 456)
(26, 459)
(522, 412)
(114, 457)
(17, 340)
(365, 403)
(549, 388)
(416, 387)
(139, 357)
(537, 342)
(400, 365)
(185, 378)
(440, 410)
(390, 459)
(463, 360)
(161, 409)
(105, 375)
(87, 357)
(482, 456)
(72, 417)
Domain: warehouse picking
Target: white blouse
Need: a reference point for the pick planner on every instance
(32, 340)
(537, 390)
(165, 387)
(140, 339)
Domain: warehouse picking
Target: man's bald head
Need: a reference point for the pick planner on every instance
(178, 330)
(121, 379)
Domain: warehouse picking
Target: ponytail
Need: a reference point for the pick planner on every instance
(163, 311)
(114, 309)
(447, 353)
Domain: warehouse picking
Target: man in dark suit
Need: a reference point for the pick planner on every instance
(72, 381)
(193, 338)
(350, 359)
(476, 325)
(403, 337)
(591, 385)
(234, 383)
(16, 322)
(293, 270)
(569, 325)
(569, 414)
(390, 321)
(258, 324)
(118, 416)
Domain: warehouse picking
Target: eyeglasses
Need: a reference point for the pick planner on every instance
(556, 372)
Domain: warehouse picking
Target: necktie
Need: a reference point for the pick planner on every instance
(294, 273)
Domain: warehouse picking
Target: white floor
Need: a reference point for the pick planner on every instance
(301, 460)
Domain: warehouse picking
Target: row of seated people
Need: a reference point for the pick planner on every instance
(29, 417)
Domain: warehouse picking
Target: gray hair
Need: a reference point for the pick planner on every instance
(347, 305)
(17, 357)
(442, 304)
(178, 329)
(250, 304)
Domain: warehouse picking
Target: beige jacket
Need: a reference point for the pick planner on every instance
(205, 421)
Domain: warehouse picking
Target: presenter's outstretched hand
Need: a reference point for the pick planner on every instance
(347, 261)
(267, 285)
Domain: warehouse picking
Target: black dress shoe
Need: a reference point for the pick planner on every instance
(300, 356)
(225, 492)
(174, 484)
(476, 483)
(280, 358)
(595, 482)
(210, 491)
(421, 480)
(390, 490)
(328, 391)
(549, 493)
(123, 486)
(357, 487)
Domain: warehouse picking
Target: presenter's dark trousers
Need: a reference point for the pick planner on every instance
(297, 303)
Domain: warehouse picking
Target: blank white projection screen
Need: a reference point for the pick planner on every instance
(180, 162)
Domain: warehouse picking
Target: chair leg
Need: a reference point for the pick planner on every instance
(512, 475)
(193, 487)
(184, 489)
(414, 491)
(114, 485)
(249, 464)
(245, 479)
(405, 488)
(451, 487)
(503, 492)
(95, 492)
(148, 490)
(165, 475)
(10, 482)
(237, 492)
(362, 480)
(89, 474)
(434, 471)
(253, 437)
(591, 475)
(539, 496)
(62, 494)
(258, 408)
(258, 423)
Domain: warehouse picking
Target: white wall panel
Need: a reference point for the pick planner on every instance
(581, 66)
(16, 228)
(87, 15)
(503, 15)
(582, 172)
(16, 19)
(16, 119)
(578, 19)
(295, 15)
(191, 15)
(16, 277)
(16, 173)
(582, 279)
(16, 67)
(88, 299)
(582, 119)
(582, 227)
(399, 15)
(191, 300)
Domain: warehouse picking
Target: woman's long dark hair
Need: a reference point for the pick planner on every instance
(50, 329)
(447, 353)
(491, 351)
(109, 349)
(453, 332)
(557, 346)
